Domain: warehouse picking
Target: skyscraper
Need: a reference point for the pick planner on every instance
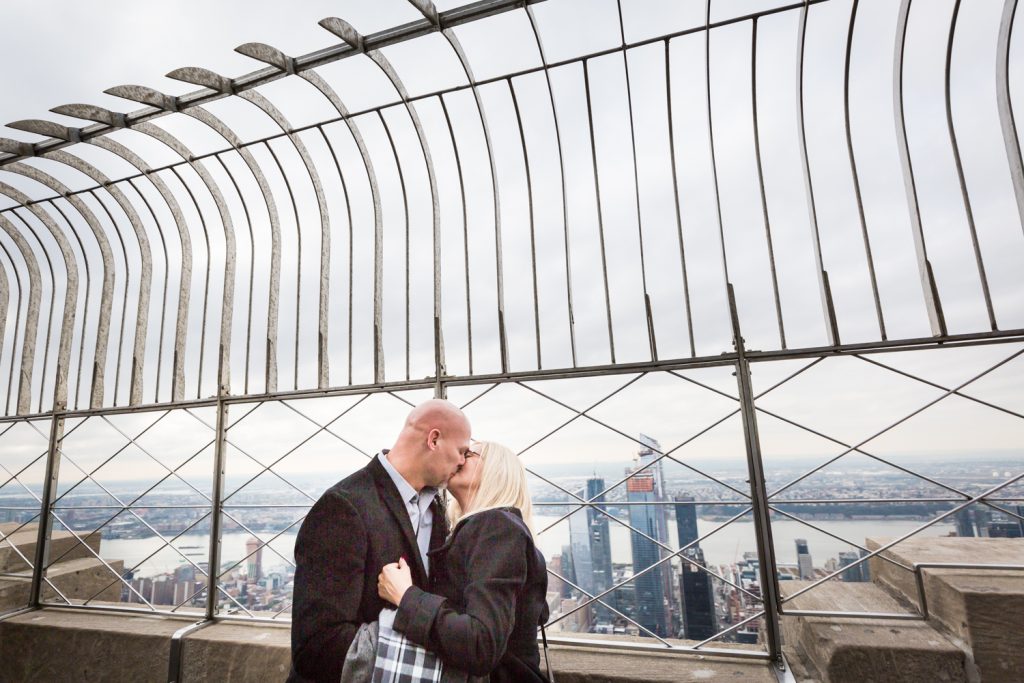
(695, 588)
(600, 546)
(254, 559)
(651, 610)
(964, 527)
(579, 542)
(699, 619)
(803, 559)
(686, 522)
(853, 574)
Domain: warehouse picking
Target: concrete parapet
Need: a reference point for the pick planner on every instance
(861, 650)
(61, 542)
(115, 647)
(981, 609)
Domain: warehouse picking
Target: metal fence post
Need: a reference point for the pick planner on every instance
(218, 492)
(759, 496)
(49, 494)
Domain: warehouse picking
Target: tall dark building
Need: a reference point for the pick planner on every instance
(568, 571)
(600, 547)
(686, 522)
(856, 574)
(964, 527)
(651, 610)
(699, 619)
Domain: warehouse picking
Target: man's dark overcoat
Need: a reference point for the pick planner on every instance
(358, 525)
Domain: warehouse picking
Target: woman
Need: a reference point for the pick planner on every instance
(489, 579)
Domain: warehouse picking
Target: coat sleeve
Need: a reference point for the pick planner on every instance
(330, 554)
(473, 639)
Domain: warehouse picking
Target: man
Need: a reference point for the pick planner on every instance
(382, 512)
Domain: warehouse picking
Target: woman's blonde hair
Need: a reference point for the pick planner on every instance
(500, 482)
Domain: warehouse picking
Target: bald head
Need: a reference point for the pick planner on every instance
(432, 444)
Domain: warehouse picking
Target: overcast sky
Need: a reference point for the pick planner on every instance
(61, 53)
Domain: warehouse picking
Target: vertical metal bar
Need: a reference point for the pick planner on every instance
(928, 286)
(597, 203)
(675, 193)
(465, 229)
(49, 494)
(529, 206)
(711, 137)
(758, 492)
(561, 169)
(760, 181)
(219, 463)
(960, 173)
(1005, 105)
(651, 339)
(17, 325)
(856, 175)
(831, 326)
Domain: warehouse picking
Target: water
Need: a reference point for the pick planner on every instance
(724, 547)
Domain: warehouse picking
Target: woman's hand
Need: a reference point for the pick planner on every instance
(394, 580)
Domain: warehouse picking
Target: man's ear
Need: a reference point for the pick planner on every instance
(432, 436)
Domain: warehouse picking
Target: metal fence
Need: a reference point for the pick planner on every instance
(562, 235)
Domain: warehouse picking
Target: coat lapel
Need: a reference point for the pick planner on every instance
(396, 506)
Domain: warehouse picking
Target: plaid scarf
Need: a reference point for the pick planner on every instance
(400, 660)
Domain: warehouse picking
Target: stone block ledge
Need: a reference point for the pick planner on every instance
(63, 645)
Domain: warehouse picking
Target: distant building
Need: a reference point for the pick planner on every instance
(855, 574)
(803, 559)
(699, 619)
(651, 609)
(568, 571)
(686, 521)
(254, 559)
(964, 526)
(600, 547)
(579, 543)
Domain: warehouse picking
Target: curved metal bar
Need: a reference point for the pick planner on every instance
(17, 320)
(5, 300)
(931, 294)
(831, 324)
(222, 129)
(856, 175)
(533, 232)
(597, 205)
(88, 293)
(1006, 118)
(107, 294)
(146, 276)
(200, 76)
(711, 137)
(385, 66)
(561, 170)
(453, 40)
(465, 229)
(185, 270)
(227, 303)
(652, 340)
(60, 386)
(31, 317)
(275, 57)
(960, 173)
(675, 194)
(760, 181)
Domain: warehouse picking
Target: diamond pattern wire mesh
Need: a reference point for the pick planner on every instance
(22, 463)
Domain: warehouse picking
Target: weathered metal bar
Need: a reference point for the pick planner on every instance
(600, 212)
(652, 341)
(31, 317)
(856, 175)
(828, 310)
(561, 171)
(675, 195)
(969, 213)
(1004, 104)
(17, 326)
(767, 567)
(760, 183)
(53, 458)
(933, 306)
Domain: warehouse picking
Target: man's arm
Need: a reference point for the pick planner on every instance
(330, 554)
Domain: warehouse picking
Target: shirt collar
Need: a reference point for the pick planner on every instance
(405, 489)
